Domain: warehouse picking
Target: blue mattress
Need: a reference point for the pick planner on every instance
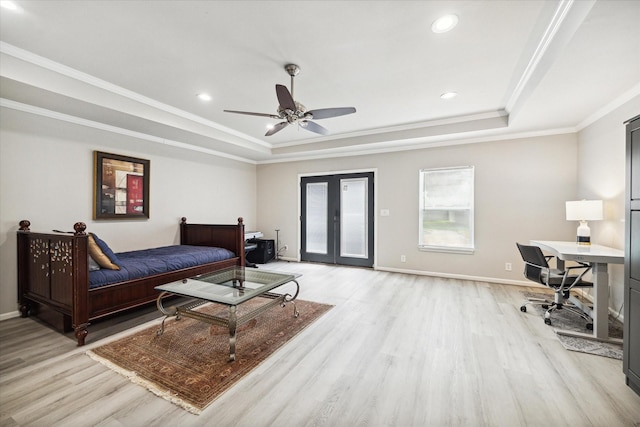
(147, 262)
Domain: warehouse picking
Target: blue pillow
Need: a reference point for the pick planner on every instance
(102, 253)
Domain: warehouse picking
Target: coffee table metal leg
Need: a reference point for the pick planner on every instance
(188, 310)
(292, 299)
(232, 333)
(172, 311)
(296, 313)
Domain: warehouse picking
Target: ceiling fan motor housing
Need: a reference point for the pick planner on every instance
(293, 116)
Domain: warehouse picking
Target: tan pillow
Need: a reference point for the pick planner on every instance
(99, 256)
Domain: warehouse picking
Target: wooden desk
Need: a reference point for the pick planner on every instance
(599, 257)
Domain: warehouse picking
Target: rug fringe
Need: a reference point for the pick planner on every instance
(134, 378)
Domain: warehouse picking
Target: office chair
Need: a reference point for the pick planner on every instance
(537, 269)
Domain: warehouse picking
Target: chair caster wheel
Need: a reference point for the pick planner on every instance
(590, 326)
(545, 306)
(523, 309)
(547, 321)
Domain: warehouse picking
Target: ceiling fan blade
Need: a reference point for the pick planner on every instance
(276, 128)
(273, 116)
(325, 113)
(314, 127)
(285, 99)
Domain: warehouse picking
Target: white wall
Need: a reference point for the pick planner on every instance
(521, 188)
(601, 175)
(46, 176)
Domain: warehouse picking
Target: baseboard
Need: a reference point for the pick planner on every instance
(10, 315)
(457, 276)
(526, 283)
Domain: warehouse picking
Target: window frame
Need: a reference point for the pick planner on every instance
(467, 249)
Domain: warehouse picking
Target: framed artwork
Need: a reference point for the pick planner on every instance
(121, 187)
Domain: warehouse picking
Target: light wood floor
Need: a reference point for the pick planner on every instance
(396, 350)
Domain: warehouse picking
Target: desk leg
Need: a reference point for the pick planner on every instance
(600, 301)
(600, 312)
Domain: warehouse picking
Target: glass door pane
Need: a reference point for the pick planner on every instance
(317, 214)
(354, 218)
(336, 219)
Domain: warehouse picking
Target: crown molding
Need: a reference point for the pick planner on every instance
(7, 103)
(610, 107)
(424, 143)
(565, 21)
(85, 78)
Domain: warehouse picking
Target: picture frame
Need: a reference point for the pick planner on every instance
(121, 187)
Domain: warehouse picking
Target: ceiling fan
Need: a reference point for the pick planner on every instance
(293, 112)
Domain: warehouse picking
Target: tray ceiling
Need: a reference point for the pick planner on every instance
(135, 67)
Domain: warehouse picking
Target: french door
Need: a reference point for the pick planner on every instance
(337, 219)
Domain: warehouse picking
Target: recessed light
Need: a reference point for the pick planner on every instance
(10, 5)
(204, 96)
(449, 95)
(444, 23)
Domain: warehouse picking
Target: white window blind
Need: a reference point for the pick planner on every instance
(446, 209)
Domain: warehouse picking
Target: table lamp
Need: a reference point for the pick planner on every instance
(583, 211)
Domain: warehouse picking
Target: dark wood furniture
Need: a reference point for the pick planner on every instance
(53, 274)
(631, 358)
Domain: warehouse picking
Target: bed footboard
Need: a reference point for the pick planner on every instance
(53, 276)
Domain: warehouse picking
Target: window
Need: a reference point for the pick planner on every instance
(446, 209)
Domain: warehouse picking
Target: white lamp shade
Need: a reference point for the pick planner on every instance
(584, 210)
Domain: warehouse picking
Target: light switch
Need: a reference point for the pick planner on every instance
(384, 212)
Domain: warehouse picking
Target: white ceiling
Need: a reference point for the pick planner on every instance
(135, 67)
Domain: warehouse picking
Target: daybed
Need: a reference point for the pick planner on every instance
(55, 282)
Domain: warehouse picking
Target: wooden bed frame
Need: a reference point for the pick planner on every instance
(53, 274)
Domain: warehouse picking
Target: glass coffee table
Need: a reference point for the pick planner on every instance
(231, 287)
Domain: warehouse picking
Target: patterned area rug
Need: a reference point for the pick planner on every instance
(564, 319)
(188, 365)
